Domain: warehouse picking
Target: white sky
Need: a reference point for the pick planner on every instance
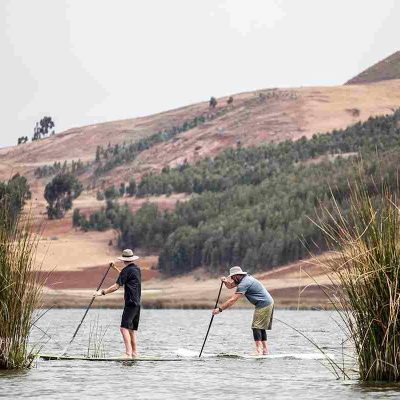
(87, 61)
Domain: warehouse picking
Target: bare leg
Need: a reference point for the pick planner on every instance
(132, 335)
(127, 341)
(265, 350)
(259, 347)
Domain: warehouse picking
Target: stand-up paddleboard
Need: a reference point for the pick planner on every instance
(294, 356)
(54, 357)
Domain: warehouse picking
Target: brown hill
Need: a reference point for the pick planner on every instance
(253, 118)
(386, 69)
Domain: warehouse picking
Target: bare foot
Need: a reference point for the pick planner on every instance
(134, 355)
(265, 352)
(126, 355)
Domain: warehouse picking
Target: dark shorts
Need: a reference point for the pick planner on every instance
(130, 317)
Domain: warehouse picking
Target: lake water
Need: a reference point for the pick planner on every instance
(181, 332)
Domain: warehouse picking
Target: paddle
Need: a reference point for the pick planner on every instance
(212, 318)
(87, 310)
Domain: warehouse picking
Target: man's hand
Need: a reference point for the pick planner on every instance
(98, 293)
(228, 282)
(112, 265)
(216, 311)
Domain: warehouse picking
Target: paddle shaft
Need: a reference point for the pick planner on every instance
(211, 321)
(87, 309)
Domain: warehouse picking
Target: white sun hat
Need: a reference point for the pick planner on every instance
(127, 255)
(236, 271)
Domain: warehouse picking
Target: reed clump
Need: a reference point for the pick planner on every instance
(365, 273)
(20, 288)
(97, 333)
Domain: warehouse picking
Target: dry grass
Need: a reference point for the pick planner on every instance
(20, 289)
(365, 273)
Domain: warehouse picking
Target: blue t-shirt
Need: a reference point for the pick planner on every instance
(254, 291)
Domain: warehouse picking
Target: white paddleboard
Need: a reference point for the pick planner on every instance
(288, 356)
(117, 359)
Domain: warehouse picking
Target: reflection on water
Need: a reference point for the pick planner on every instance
(180, 333)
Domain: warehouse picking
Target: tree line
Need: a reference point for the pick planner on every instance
(75, 168)
(112, 156)
(263, 225)
(112, 192)
(253, 165)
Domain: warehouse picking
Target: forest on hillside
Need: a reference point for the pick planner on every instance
(253, 206)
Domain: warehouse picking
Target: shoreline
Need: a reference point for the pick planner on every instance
(292, 287)
(183, 307)
(66, 299)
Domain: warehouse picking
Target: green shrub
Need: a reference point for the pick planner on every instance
(131, 189)
(76, 217)
(100, 196)
(111, 193)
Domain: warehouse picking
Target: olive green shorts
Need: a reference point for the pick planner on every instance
(262, 318)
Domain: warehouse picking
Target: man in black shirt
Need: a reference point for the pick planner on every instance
(130, 279)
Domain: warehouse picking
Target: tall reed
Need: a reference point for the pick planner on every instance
(97, 333)
(365, 274)
(20, 288)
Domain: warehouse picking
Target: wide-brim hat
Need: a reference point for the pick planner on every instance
(127, 255)
(236, 271)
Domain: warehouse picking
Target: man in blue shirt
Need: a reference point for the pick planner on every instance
(256, 293)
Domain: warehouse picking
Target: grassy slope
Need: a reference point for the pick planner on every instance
(286, 114)
(386, 69)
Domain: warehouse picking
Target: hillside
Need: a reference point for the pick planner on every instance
(253, 118)
(386, 69)
(251, 206)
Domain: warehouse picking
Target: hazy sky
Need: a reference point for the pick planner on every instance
(87, 61)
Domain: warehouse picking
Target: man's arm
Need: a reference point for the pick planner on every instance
(229, 283)
(228, 303)
(110, 289)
